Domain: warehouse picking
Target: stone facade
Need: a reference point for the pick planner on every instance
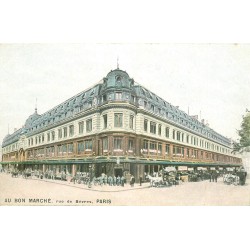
(117, 127)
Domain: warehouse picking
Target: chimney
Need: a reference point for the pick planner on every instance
(207, 124)
(203, 121)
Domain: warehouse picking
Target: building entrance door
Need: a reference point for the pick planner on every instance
(118, 171)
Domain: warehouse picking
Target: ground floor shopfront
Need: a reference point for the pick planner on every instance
(114, 166)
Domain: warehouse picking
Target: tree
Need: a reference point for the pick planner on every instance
(244, 144)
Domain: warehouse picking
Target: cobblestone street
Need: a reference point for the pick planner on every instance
(20, 191)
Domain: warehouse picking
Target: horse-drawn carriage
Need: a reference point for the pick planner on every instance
(235, 177)
(60, 176)
(81, 177)
(27, 173)
(166, 177)
(15, 173)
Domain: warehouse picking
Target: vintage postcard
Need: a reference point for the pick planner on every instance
(124, 124)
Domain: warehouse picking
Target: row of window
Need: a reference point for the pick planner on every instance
(194, 124)
(180, 136)
(69, 131)
(153, 148)
(64, 132)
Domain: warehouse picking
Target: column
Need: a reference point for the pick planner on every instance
(73, 170)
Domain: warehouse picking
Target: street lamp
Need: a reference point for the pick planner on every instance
(90, 175)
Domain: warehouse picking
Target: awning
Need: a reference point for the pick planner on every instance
(170, 169)
(201, 168)
(182, 168)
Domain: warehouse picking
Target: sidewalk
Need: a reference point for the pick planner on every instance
(98, 188)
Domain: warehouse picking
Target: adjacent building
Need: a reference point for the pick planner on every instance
(117, 127)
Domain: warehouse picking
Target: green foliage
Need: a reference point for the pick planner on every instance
(244, 133)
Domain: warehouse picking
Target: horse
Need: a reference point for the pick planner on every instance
(155, 181)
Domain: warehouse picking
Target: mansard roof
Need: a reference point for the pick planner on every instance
(116, 80)
(9, 139)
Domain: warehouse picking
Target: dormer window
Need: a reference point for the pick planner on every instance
(118, 95)
(118, 79)
(152, 107)
(104, 98)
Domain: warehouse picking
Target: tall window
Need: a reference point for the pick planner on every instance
(152, 147)
(131, 121)
(167, 132)
(88, 145)
(174, 134)
(64, 148)
(145, 104)
(187, 138)
(117, 143)
(105, 121)
(53, 135)
(182, 137)
(146, 125)
(178, 136)
(59, 149)
(167, 149)
(105, 144)
(52, 150)
(118, 120)
(81, 127)
(89, 125)
(71, 130)
(70, 148)
(42, 137)
(159, 129)
(80, 147)
(145, 145)
(118, 95)
(65, 132)
(159, 148)
(48, 136)
(131, 145)
(153, 127)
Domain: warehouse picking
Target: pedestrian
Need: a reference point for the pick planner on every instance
(215, 176)
(122, 181)
(132, 181)
(118, 180)
(210, 177)
(105, 179)
(110, 180)
(140, 179)
(114, 180)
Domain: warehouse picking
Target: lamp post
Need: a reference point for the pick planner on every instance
(90, 175)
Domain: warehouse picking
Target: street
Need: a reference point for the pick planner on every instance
(20, 191)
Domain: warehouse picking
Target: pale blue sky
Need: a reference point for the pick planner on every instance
(207, 78)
